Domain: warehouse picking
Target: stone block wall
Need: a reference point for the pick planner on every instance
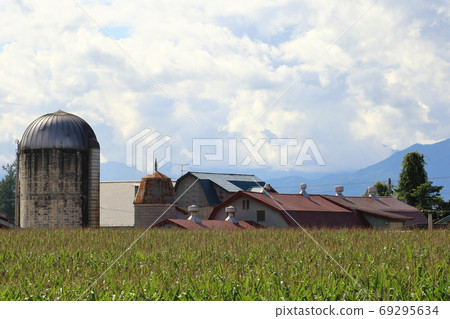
(53, 188)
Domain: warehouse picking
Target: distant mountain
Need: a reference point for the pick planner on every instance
(437, 156)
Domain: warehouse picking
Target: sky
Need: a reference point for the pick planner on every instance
(308, 86)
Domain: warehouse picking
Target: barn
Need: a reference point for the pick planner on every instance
(332, 211)
(207, 190)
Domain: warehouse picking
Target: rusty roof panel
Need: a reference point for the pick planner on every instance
(384, 206)
(155, 188)
(296, 202)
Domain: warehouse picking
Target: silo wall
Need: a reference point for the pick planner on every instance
(94, 188)
(52, 187)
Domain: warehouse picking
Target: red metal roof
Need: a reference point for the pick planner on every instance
(384, 206)
(206, 224)
(288, 202)
(298, 210)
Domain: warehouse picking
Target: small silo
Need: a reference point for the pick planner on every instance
(154, 201)
(58, 173)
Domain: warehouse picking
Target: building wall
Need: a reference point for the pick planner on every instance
(377, 222)
(147, 215)
(273, 218)
(204, 212)
(53, 188)
(194, 196)
(222, 194)
(116, 203)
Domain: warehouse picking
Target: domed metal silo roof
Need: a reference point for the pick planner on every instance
(59, 130)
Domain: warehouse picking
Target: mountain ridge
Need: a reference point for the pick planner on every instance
(436, 156)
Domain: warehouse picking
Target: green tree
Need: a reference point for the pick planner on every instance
(382, 189)
(8, 191)
(415, 189)
(427, 197)
(413, 174)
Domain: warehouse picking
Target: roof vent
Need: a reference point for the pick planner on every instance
(231, 211)
(193, 210)
(372, 192)
(339, 190)
(303, 190)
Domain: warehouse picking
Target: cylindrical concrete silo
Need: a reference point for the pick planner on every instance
(59, 173)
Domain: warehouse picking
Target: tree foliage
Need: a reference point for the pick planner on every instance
(413, 174)
(415, 189)
(8, 190)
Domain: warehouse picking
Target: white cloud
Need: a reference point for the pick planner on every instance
(384, 82)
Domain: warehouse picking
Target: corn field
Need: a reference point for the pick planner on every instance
(263, 264)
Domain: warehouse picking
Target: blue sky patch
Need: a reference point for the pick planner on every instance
(117, 33)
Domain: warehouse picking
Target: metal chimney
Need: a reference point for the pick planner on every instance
(303, 190)
(193, 210)
(372, 192)
(231, 211)
(339, 190)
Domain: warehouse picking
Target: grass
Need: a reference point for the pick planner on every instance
(263, 264)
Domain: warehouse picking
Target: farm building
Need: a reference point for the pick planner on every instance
(304, 210)
(116, 203)
(380, 211)
(58, 173)
(207, 190)
(155, 200)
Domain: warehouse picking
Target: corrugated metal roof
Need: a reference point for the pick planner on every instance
(206, 224)
(297, 202)
(231, 182)
(59, 130)
(312, 211)
(385, 206)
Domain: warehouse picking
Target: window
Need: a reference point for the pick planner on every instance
(245, 204)
(260, 216)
